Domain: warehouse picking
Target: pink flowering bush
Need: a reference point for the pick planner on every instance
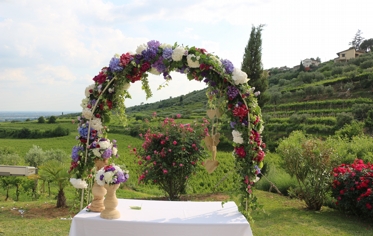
(170, 154)
(352, 188)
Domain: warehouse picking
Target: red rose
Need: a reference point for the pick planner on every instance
(145, 66)
(100, 78)
(125, 59)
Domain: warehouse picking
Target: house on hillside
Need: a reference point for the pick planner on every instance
(348, 54)
(310, 62)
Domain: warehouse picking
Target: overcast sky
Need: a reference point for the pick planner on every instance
(51, 50)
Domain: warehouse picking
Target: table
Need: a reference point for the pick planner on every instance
(164, 218)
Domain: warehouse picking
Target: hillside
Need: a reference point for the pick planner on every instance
(319, 101)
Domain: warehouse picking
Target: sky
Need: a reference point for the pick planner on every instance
(50, 50)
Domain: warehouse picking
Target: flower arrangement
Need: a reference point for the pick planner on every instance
(352, 188)
(111, 174)
(170, 154)
(228, 91)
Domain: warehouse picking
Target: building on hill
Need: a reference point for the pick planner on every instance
(348, 54)
(310, 62)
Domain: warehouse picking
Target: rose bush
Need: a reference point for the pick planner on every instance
(170, 154)
(352, 188)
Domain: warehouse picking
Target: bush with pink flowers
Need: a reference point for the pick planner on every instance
(170, 154)
(352, 188)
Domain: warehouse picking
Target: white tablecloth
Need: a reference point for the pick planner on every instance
(164, 218)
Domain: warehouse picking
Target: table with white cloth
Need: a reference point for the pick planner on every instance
(164, 218)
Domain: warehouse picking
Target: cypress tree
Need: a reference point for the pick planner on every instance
(252, 64)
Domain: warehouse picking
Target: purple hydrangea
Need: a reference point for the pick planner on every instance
(166, 75)
(83, 132)
(115, 65)
(101, 177)
(138, 58)
(159, 65)
(107, 153)
(228, 66)
(120, 178)
(232, 92)
(232, 123)
(167, 53)
(149, 54)
(154, 44)
(75, 153)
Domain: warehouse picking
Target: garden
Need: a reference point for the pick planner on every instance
(303, 182)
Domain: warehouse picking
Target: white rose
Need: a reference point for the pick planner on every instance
(154, 71)
(178, 53)
(104, 144)
(108, 176)
(141, 48)
(96, 152)
(126, 86)
(111, 90)
(87, 113)
(115, 151)
(191, 63)
(237, 137)
(84, 103)
(78, 183)
(96, 124)
(90, 87)
(239, 77)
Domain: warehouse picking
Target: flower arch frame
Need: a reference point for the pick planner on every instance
(227, 91)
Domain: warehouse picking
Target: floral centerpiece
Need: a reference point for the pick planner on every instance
(228, 91)
(111, 174)
(170, 154)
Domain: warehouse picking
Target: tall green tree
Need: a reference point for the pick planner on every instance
(357, 40)
(252, 64)
(367, 45)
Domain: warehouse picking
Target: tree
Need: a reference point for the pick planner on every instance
(252, 64)
(357, 40)
(35, 156)
(301, 67)
(57, 154)
(52, 120)
(367, 45)
(55, 171)
(41, 120)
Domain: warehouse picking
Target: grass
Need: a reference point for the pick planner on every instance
(283, 216)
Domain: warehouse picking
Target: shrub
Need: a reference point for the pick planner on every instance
(351, 130)
(52, 120)
(41, 120)
(308, 159)
(352, 188)
(337, 70)
(366, 64)
(169, 155)
(343, 118)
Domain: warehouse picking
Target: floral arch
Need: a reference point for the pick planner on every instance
(226, 84)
